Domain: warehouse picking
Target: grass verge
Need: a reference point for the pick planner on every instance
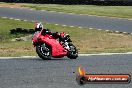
(88, 41)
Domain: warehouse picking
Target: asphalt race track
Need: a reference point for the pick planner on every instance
(60, 73)
(122, 25)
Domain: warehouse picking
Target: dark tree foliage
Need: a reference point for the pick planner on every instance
(69, 2)
(49, 1)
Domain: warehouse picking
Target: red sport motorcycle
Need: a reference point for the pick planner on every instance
(48, 46)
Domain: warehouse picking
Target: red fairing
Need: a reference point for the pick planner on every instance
(57, 48)
(35, 38)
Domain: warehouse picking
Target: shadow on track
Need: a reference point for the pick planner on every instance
(52, 59)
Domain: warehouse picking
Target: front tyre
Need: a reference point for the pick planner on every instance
(43, 51)
(73, 52)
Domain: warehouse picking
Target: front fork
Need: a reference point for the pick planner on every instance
(66, 46)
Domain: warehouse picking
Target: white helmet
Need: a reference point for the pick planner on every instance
(38, 26)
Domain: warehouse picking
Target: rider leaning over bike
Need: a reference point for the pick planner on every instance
(39, 27)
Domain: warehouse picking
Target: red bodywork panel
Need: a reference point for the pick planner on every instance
(57, 48)
(62, 34)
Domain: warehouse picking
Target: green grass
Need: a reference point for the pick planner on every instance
(88, 41)
(20, 48)
(2, 2)
(6, 25)
(111, 11)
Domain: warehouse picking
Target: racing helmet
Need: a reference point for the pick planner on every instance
(38, 26)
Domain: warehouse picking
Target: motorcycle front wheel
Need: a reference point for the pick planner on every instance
(43, 51)
(73, 52)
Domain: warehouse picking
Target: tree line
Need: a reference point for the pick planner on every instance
(99, 2)
(50, 1)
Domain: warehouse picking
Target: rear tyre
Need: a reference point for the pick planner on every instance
(43, 51)
(73, 53)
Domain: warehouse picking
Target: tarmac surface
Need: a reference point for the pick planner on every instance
(61, 72)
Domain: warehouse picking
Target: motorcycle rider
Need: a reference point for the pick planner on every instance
(39, 27)
(56, 35)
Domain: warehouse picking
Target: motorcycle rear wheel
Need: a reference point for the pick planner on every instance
(43, 51)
